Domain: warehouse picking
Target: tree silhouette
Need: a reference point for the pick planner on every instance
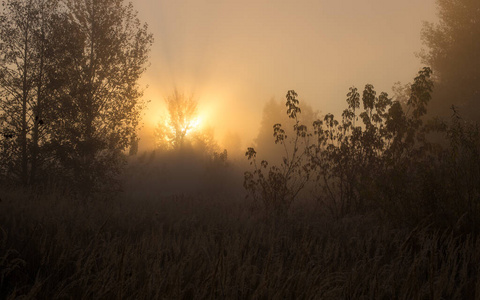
(181, 119)
(453, 47)
(25, 27)
(180, 129)
(70, 100)
(98, 99)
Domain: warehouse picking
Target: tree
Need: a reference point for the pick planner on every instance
(453, 47)
(24, 31)
(97, 97)
(182, 117)
(47, 14)
(180, 128)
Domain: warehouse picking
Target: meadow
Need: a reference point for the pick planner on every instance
(197, 247)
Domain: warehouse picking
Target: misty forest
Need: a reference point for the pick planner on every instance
(110, 191)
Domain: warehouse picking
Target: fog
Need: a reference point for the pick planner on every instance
(235, 56)
(239, 149)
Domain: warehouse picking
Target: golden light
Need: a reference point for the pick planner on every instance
(193, 125)
(181, 123)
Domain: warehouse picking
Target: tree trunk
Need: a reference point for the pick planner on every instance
(23, 136)
(38, 118)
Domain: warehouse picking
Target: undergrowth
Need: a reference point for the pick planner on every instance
(196, 248)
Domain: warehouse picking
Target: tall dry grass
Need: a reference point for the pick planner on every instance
(184, 247)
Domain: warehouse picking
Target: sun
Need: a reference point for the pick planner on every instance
(192, 126)
(182, 123)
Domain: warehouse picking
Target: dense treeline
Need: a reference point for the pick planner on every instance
(70, 101)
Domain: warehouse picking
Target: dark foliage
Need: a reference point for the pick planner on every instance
(452, 52)
(70, 102)
(381, 157)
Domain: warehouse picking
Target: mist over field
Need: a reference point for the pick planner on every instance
(239, 150)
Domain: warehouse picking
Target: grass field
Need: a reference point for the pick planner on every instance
(197, 247)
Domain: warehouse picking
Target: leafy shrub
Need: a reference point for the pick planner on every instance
(278, 186)
(378, 156)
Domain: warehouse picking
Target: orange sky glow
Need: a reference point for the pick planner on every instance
(234, 56)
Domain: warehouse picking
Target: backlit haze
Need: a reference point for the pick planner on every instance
(234, 56)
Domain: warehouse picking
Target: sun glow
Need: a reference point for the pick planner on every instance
(192, 126)
(184, 123)
(169, 132)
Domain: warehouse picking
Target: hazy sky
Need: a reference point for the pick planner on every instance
(236, 55)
